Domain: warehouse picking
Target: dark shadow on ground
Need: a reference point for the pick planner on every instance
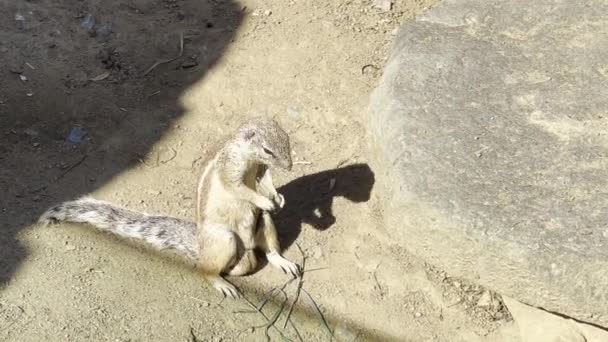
(47, 61)
(309, 199)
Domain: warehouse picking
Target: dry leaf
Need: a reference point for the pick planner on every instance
(101, 77)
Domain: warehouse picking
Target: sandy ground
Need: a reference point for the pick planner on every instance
(311, 65)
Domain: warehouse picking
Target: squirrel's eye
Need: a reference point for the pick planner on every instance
(267, 151)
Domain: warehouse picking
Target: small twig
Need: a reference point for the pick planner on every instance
(164, 61)
(261, 306)
(292, 305)
(72, 167)
(368, 66)
(201, 301)
(270, 323)
(320, 313)
(272, 293)
(296, 330)
(315, 269)
(377, 284)
(154, 93)
(146, 164)
(268, 296)
(195, 161)
(193, 337)
(197, 299)
(342, 162)
(299, 288)
(276, 315)
(302, 162)
(245, 311)
(172, 157)
(275, 318)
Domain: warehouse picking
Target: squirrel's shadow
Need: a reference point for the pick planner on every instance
(309, 199)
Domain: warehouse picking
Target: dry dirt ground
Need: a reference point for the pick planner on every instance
(312, 65)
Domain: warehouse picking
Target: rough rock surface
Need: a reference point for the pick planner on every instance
(489, 131)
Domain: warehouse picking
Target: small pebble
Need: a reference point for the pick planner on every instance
(485, 300)
(418, 314)
(31, 132)
(189, 64)
(15, 69)
(317, 252)
(293, 112)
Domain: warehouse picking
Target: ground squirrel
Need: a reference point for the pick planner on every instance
(235, 196)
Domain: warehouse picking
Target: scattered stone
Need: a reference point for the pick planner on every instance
(293, 112)
(383, 5)
(343, 332)
(76, 136)
(189, 64)
(485, 301)
(259, 12)
(317, 252)
(15, 68)
(418, 314)
(31, 132)
(88, 23)
(104, 31)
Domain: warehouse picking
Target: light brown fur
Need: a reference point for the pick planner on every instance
(235, 195)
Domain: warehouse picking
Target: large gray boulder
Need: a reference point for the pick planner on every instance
(490, 141)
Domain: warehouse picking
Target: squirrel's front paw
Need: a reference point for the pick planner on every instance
(279, 200)
(265, 204)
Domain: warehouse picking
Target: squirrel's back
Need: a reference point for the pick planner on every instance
(160, 232)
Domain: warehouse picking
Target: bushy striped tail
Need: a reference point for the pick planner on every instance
(160, 232)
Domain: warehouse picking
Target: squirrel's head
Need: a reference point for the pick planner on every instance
(266, 142)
